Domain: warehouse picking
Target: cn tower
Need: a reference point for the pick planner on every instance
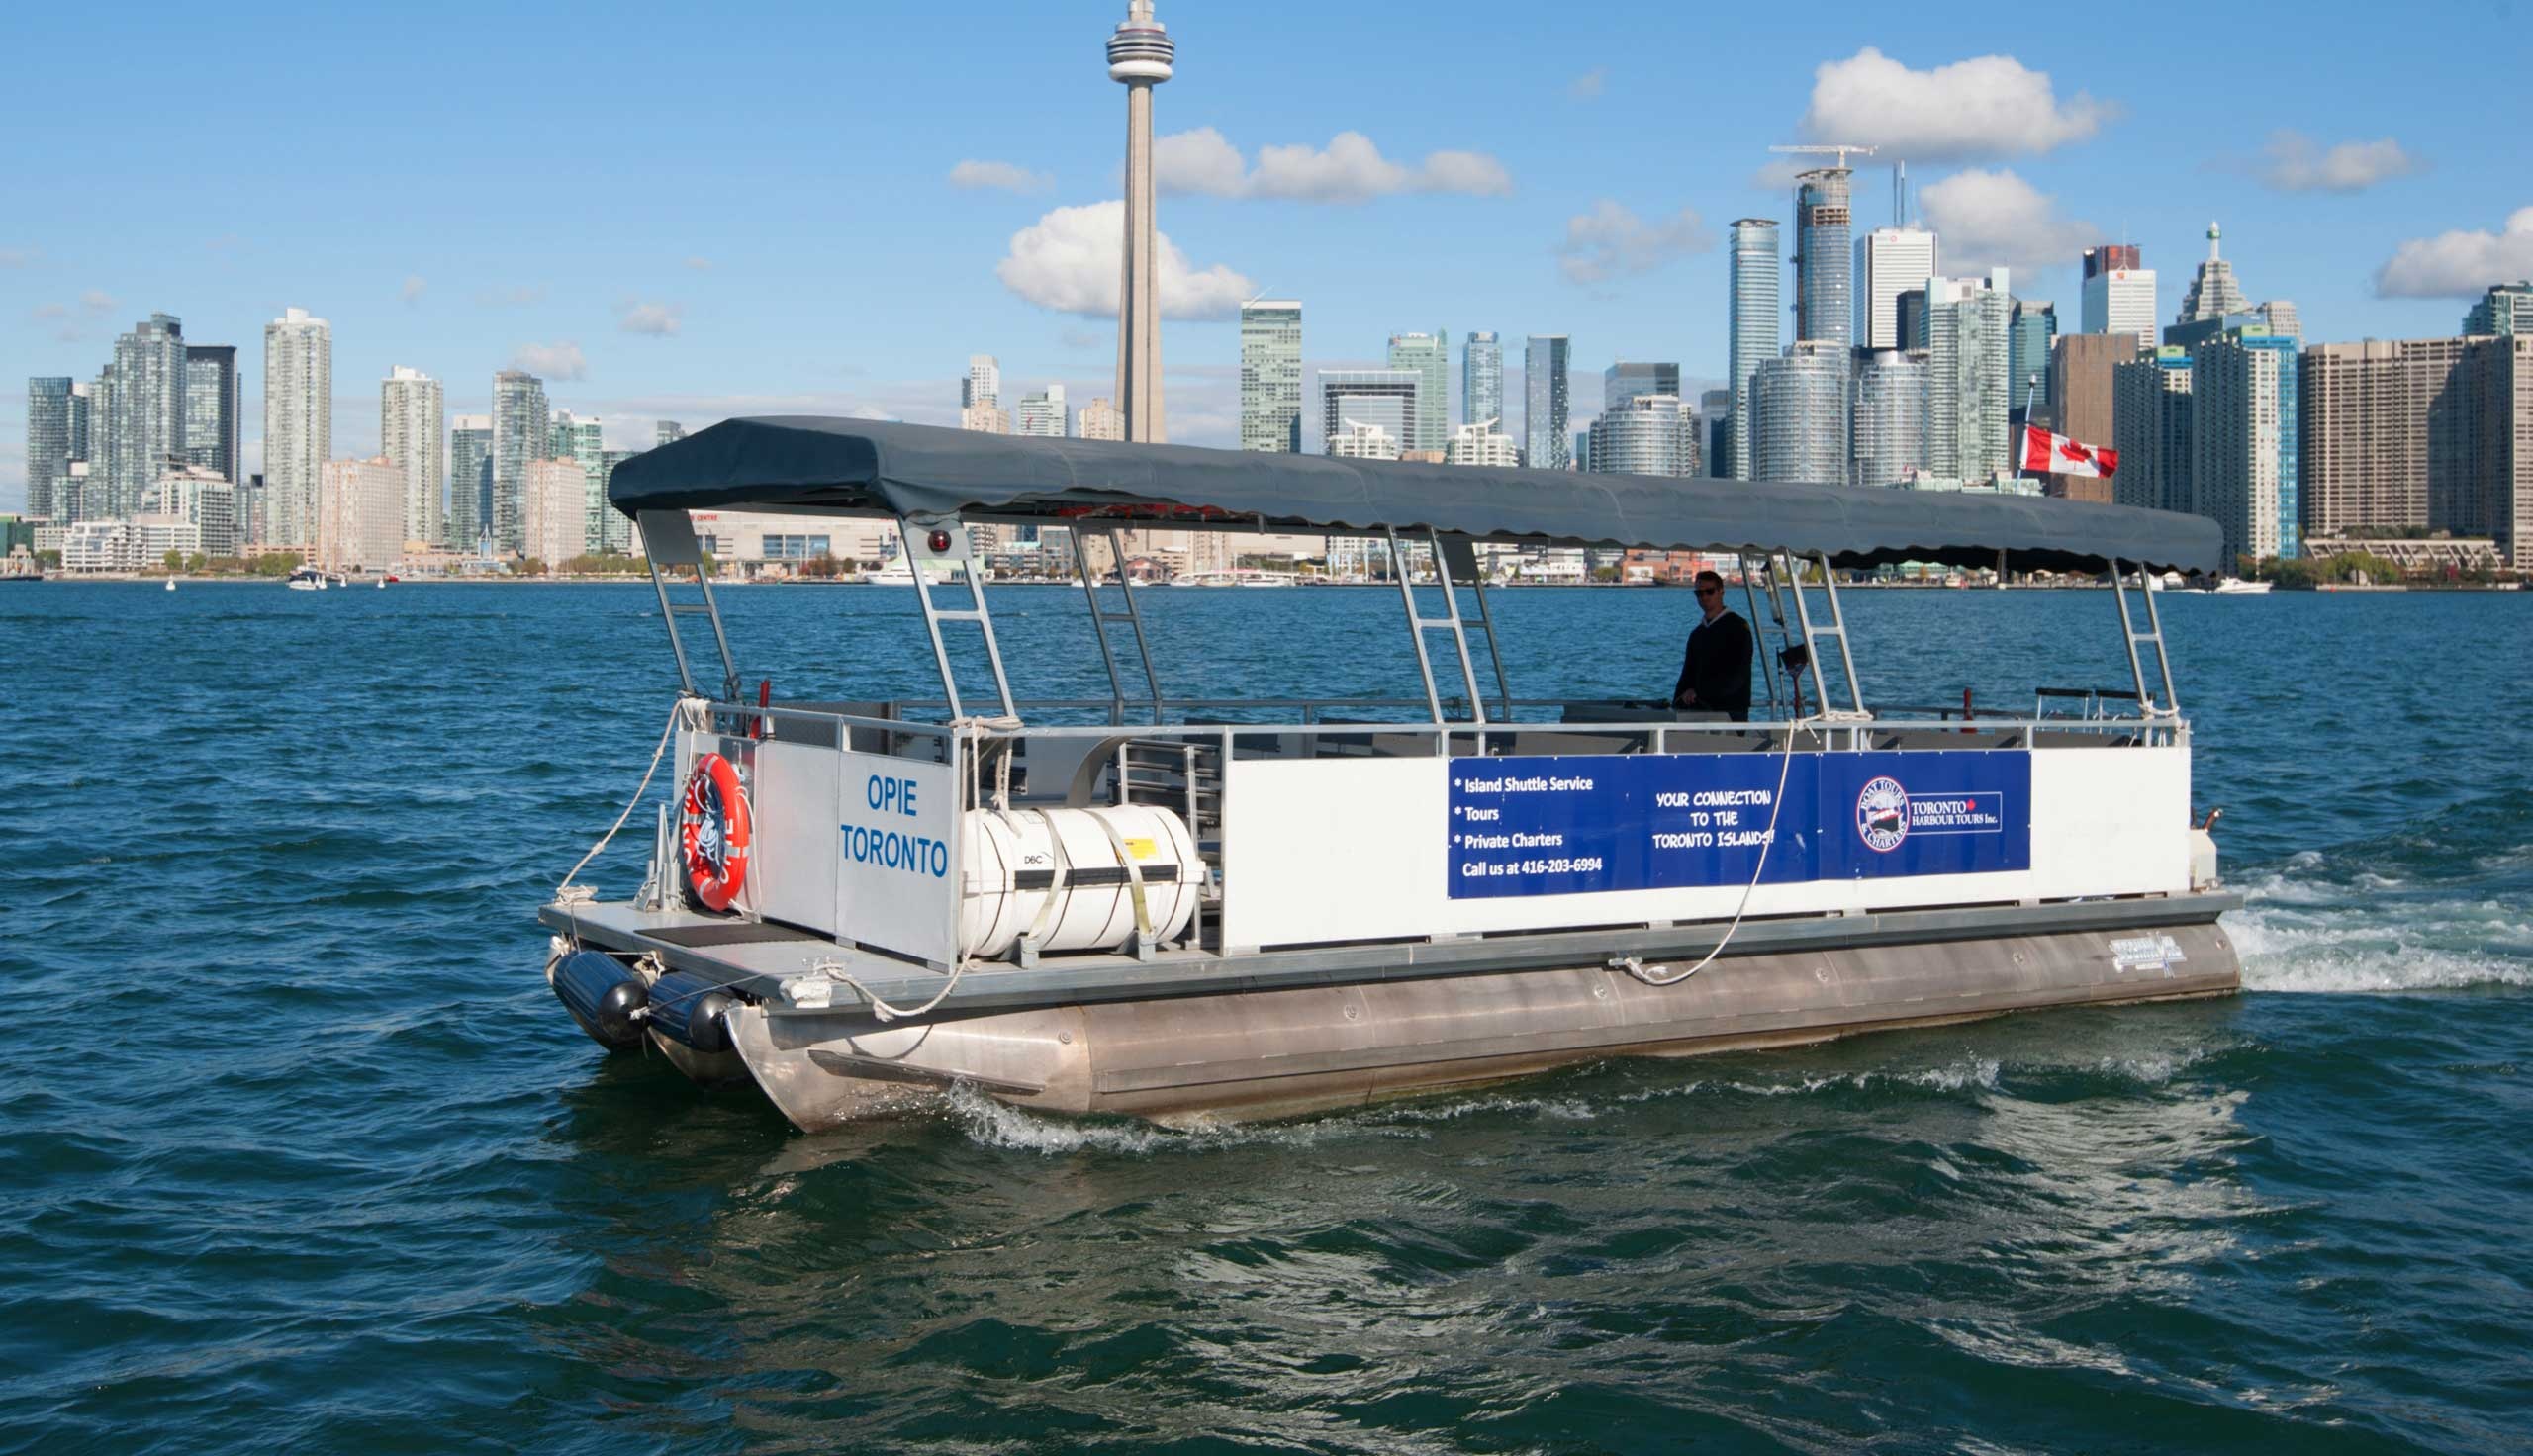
(1139, 57)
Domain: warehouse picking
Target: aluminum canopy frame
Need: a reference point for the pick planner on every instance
(813, 465)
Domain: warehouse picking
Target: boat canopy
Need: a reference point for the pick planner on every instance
(814, 465)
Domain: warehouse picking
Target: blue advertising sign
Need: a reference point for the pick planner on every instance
(1563, 826)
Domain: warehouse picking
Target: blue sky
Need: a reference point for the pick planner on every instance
(702, 215)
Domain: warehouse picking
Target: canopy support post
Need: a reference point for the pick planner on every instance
(2148, 705)
(1101, 619)
(976, 611)
(668, 541)
(1750, 570)
(1813, 632)
(1495, 650)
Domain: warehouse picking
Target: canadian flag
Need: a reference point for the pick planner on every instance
(2046, 454)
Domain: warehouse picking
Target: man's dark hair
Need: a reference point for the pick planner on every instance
(1703, 577)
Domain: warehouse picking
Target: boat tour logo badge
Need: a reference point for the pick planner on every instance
(1882, 814)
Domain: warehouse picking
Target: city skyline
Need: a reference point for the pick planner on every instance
(682, 307)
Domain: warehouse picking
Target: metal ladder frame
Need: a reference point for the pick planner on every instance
(2148, 705)
(1854, 712)
(1753, 568)
(668, 538)
(1418, 626)
(1101, 619)
(934, 616)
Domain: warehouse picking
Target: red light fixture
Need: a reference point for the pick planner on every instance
(939, 541)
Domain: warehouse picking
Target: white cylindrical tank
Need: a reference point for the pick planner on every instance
(1062, 873)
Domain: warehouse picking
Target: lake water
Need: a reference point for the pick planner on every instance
(299, 1153)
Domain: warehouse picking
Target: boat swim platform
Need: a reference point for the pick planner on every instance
(754, 957)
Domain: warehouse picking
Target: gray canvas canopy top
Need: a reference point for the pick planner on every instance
(811, 464)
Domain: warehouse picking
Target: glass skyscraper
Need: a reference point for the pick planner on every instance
(1270, 375)
(470, 480)
(1387, 400)
(2036, 323)
(1824, 259)
(1800, 425)
(1545, 443)
(1969, 359)
(409, 411)
(211, 408)
(144, 429)
(1428, 357)
(49, 455)
(523, 428)
(1628, 380)
(1888, 413)
(583, 443)
(1482, 381)
(1754, 330)
(299, 424)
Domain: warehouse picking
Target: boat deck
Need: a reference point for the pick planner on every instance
(754, 957)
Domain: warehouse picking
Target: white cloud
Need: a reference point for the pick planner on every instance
(1990, 106)
(1351, 168)
(1070, 260)
(413, 287)
(1009, 176)
(2459, 264)
(1588, 85)
(660, 320)
(1612, 241)
(46, 312)
(96, 300)
(18, 257)
(1987, 217)
(511, 298)
(2295, 162)
(700, 264)
(551, 361)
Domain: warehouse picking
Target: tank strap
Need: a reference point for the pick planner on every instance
(1134, 872)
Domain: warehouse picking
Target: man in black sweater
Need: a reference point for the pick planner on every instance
(1714, 673)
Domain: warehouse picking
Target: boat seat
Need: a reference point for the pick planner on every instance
(1550, 745)
(1935, 740)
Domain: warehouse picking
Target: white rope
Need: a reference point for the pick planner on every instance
(1785, 768)
(567, 893)
(834, 970)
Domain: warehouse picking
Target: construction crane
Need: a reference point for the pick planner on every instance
(1840, 148)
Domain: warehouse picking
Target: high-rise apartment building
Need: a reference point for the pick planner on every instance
(360, 514)
(1714, 416)
(1887, 410)
(1042, 414)
(1099, 420)
(2246, 440)
(1428, 357)
(1824, 293)
(983, 384)
(1799, 414)
(985, 420)
(2119, 293)
(1969, 389)
(2035, 327)
(2498, 375)
(666, 432)
(1628, 379)
(1482, 379)
(470, 481)
(1544, 403)
(211, 410)
(522, 434)
(583, 441)
(299, 424)
(1270, 375)
(2406, 436)
(553, 511)
(1890, 261)
(1481, 443)
(1358, 439)
(2214, 294)
(143, 426)
(1385, 399)
(50, 402)
(1645, 434)
(2150, 427)
(2082, 393)
(2505, 310)
(1753, 330)
(201, 497)
(410, 417)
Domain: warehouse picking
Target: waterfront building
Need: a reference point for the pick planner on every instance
(2082, 393)
(522, 434)
(2119, 293)
(2150, 427)
(1715, 415)
(1482, 378)
(1544, 402)
(1100, 420)
(983, 384)
(616, 529)
(553, 511)
(1138, 58)
(299, 424)
(1428, 357)
(2411, 436)
(2505, 310)
(50, 400)
(211, 410)
(2246, 440)
(1799, 402)
(1270, 375)
(1357, 439)
(1385, 398)
(1969, 387)
(204, 499)
(1823, 297)
(1886, 408)
(470, 481)
(1626, 380)
(100, 544)
(360, 514)
(1643, 434)
(1043, 414)
(2499, 403)
(583, 443)
(143, 426)
(2214, 294)
(1752, 329)
(2035, 327)
(1890, 261)
(1481, 443)
(412, 419)
(666, 432)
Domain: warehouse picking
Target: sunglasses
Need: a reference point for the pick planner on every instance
(1710, 592)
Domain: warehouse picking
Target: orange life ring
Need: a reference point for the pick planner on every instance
(716, 831)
